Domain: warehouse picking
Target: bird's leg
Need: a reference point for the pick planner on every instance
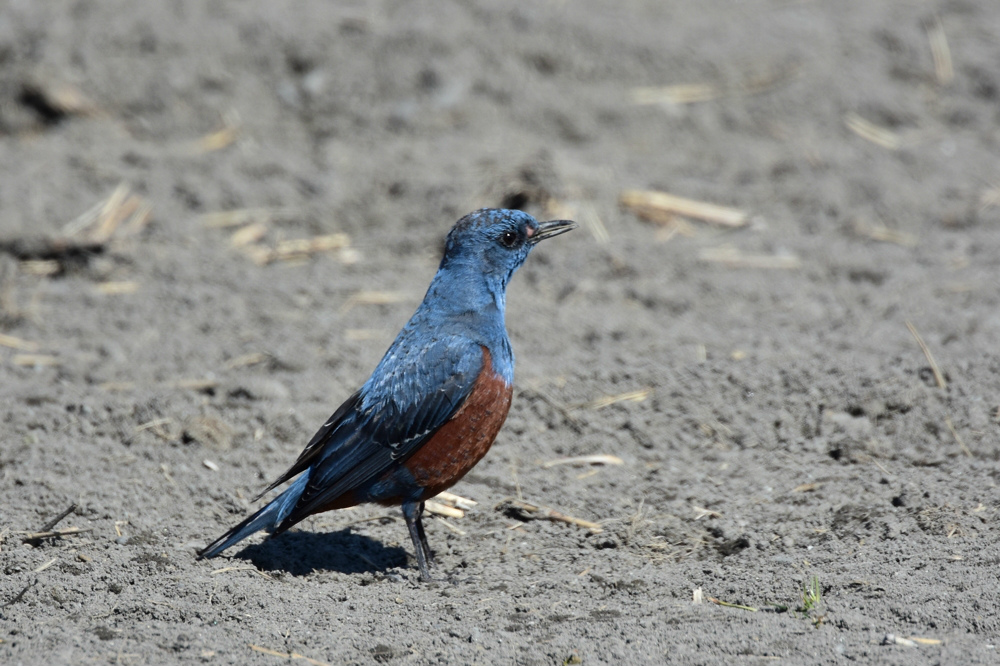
(411, 513)
(423, 536)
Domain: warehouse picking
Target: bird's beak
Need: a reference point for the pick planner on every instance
(550, 229)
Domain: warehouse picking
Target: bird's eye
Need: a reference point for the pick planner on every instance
(509, 239)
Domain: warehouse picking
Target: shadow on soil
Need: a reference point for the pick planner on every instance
(302, 553)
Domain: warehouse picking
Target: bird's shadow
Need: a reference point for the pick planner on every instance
(300, 553)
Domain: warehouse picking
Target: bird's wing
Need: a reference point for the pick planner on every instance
(412, 393)
(318, 442)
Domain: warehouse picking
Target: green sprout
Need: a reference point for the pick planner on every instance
(812, 597)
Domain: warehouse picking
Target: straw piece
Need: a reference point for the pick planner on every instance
(37, 360)
(938, 377)
(880, 136)
(752, 83)
(253, 358)
(50, 534)
(18, 343)
(882, 233)
(299, 248)
(596, 459)
(440, 509)
(989, 198)
(893, 639)
(116, 208)
(702, 512)
(121, 213)
(59, 96)
(287, 655)
(456, 500)
(944, 72)
(244, 568)
(682, 93)
(248, 235)
(222, 138)
(925, 641)
(730, 605)
(117, 288)
(958, 438)
(46, 565)
(453, 528)
(195, 384)
(660, 207)
(608, 400)
(527, 511)
(40, 267)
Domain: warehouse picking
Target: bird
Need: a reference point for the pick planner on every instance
(434, 404)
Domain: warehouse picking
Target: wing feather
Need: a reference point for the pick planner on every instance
(407, 399)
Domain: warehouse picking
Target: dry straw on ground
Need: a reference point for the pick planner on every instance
(662, 208)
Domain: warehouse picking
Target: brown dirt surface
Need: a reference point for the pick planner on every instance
(168, 349)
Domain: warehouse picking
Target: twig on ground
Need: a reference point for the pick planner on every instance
(20, 595)
(50, 534)
(456, 500)
(527, 511)
(55, 521)
(884, 234)
(117, 287)
(938, 377)
(681, 93)
(661, 207)
(730, 605)
(702, 512)
(869, 131)
(958, 438)
(693, 93)
(287, 655)
(944, 72)
(451, 527)
(449, 505)
(297, 248)
(221, 138)
(439, 509)
(608, 400)
(595, 459)
(38, 360)
(17, 343)
(253, 569)
(46, 565)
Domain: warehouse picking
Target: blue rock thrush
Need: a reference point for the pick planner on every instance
(434, 404)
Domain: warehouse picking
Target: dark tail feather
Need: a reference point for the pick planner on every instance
(268, 518)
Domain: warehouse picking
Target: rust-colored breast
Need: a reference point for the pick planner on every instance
(463, 441)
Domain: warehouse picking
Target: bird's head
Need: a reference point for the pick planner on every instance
(495, 242)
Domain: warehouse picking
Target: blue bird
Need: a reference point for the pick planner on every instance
(434, 404)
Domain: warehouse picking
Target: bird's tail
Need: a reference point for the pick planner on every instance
(268, 518)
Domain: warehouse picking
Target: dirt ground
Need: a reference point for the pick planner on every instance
(778, 424)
